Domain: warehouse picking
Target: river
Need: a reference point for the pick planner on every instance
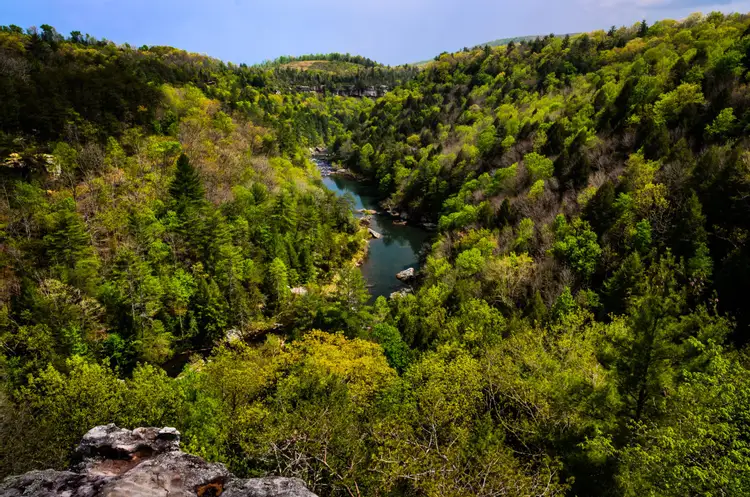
(396, 250)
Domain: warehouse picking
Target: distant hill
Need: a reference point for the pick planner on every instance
(498, 43)
(504, 41)
(343, 74)
(305, 61)
(328, 66)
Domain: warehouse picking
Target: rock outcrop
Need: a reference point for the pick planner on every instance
(345, 90)
(400, 294)
(145, 462)
(406, 274)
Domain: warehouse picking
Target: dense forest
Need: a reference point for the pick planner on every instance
(577, 327)
(338, 73)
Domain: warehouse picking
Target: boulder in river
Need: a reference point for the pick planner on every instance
(406, 274)
(145, 462)
(374, 233)
(365, 220)
(400, 293)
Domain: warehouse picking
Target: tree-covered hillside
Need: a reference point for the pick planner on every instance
(577, 328)
(154, 203)
(341, 74)
(635, 135)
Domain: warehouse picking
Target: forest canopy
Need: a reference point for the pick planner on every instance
(578, 326)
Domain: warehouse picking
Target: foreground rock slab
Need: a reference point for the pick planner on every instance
(145, 462)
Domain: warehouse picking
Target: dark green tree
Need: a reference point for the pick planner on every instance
(187, 188)
(67, 241)
(643, 29)
(210, 310)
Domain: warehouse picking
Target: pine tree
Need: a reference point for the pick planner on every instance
(503, 216)
(186, 188)
(211, 311)
(643, 29)
(278, 281)
(68, 246)
(537, 310)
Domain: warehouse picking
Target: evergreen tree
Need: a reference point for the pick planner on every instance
(67, 241)
(186, 188)
(278, 281)
(504, 215)
(210, 310)
(643, 29)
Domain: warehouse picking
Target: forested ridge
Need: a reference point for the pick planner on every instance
(338, 73)
(578, 326)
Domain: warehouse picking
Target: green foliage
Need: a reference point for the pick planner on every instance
(703, 447)
(577, 327)
(469, 262)
(394, 348)
(671, 105)
(577, 244)
(186, 188)
(723, 125)
(538, 166)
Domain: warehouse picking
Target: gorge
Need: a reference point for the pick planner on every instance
(399, 246)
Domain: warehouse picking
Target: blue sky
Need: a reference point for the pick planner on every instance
(389, 31)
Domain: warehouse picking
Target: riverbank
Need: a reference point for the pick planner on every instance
(327, 168)
(399, 245)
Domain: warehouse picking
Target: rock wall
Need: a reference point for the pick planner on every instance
(346, 91)
(145, 462)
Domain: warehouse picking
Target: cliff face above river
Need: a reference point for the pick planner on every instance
(346, 90)
(145, 462)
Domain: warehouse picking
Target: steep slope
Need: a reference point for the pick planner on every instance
(591, 197)
(578, 126)
(577, 328)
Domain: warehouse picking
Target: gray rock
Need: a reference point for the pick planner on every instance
(51, 483)
(267, 487)
(145, 462)
(400, 294)
(406, 274)
(111, 442)
(374, 233)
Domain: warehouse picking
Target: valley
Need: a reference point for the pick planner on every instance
(397, 249)
(567, 217)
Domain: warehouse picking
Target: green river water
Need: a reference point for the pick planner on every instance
(396, 250)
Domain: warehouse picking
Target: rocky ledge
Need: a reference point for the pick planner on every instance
(145, 462)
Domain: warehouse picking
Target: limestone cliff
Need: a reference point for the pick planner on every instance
(145, 462)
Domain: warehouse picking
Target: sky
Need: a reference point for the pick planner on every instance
(388, 31)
